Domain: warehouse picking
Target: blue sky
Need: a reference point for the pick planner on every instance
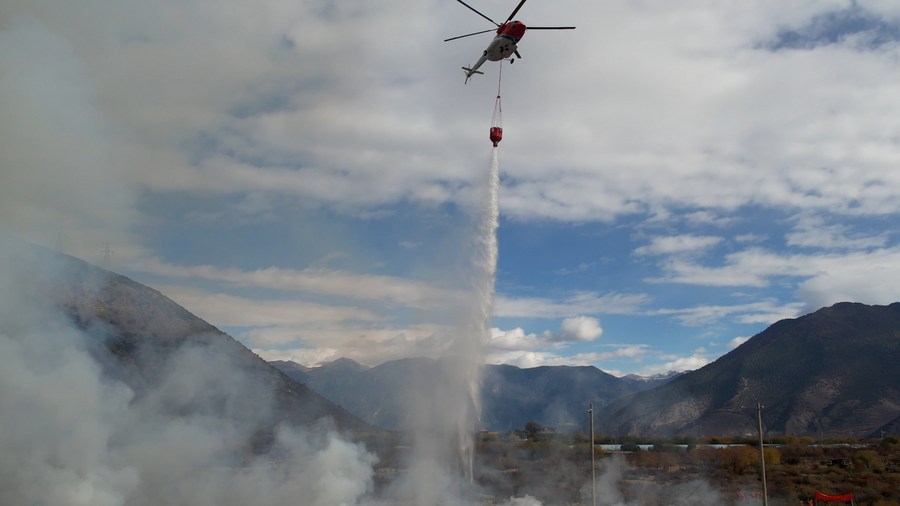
(306, 175)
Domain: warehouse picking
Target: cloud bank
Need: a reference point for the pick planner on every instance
(750, 148)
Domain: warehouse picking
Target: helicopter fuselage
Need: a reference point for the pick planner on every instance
(504, 44)
(502, 47)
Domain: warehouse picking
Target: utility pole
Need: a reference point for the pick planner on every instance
(762, 454)
(593, 475)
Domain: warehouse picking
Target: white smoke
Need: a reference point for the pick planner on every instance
(611, 472)
(523, 501)
(73, 435)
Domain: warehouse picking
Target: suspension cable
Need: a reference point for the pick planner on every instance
(499, 78)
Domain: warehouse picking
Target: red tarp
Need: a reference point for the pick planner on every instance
(823, 497)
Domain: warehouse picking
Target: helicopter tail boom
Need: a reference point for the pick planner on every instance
(470, 72)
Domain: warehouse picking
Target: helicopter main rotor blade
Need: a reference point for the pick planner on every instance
(515, 10)
(551, 28)
(473, 9)
(468, 35)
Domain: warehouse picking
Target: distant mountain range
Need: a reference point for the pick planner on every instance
(511, 397)
(832, 373)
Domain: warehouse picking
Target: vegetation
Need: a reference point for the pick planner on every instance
(526, 462)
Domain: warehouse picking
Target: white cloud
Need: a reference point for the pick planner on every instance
(277, 328)
(61, 183)
(313, 357)
(228, 310)
(527, 358)
(751, 267)
(767, 311)
(582, 267)
(338, 335)
(708, 218)
(367, 344)
(580, 328)
(632, 351)
(761, 129)
(394, 290)
(678, 244)
(252, 81)
(749, 126)
(749, 238)
(814, 232)
(692, 362)
(737, 341)
(517, 339)
(572, 305)
(516, 347)
(572, 330)
(870, 277)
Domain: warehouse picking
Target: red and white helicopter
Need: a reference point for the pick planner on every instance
(509, 33)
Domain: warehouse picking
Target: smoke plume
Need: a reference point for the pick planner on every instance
(74, 434)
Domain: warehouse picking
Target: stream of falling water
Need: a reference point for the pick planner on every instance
(485, 272)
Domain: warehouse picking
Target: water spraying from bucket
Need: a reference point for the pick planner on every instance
(485, 268)
(447, 413)
(478, 320)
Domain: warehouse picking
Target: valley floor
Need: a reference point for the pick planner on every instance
(556, 469)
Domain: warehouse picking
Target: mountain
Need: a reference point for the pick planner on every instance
(293, 370)
(556, 396)
(828, 374)
(384, 396)
(168, 358)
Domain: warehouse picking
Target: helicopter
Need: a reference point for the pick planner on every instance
(509, 33)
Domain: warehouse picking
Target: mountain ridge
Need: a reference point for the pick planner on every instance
(814, 374)
(550, 395)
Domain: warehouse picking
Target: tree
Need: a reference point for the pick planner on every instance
(630, 447)
(869, 459)
(738, 459)
(772, 455)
